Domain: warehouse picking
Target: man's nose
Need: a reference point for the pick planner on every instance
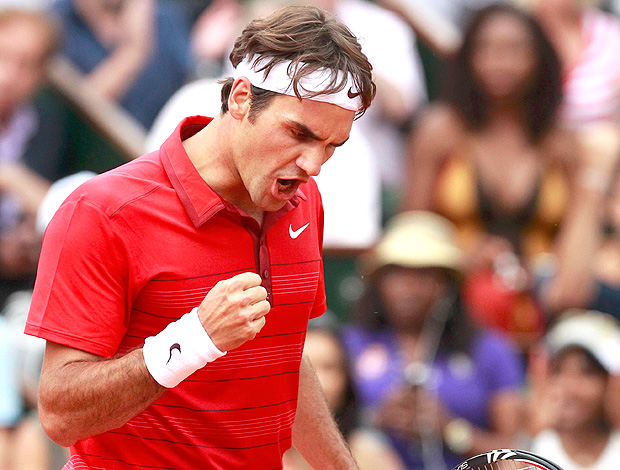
(310, 162)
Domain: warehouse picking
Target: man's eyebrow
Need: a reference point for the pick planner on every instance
(305, 130)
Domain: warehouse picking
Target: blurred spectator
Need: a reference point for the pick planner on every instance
(325, 351)
(32, 137)
(587, 40)
(32, 153)
(437, 386)
(135, 52)
(585, 269)
(33, 140)
(23, 444)
(571, 392)
(492, 158)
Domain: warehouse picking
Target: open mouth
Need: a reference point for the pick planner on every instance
(288, 186)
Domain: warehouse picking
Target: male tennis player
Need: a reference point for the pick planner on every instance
(174, 291)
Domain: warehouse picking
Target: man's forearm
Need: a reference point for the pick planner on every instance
(315, 434)
(87, 396)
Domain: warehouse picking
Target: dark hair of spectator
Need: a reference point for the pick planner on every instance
(458, 331)
(312, 40)
(543, 96)
(347, 415)
(592, 363)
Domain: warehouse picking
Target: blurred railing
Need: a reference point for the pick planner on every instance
(115, 125)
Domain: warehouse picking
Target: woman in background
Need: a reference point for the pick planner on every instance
(492, 158)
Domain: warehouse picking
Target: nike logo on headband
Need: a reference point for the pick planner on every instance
(311, 86)
(352, 95)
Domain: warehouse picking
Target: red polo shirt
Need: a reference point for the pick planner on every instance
(139, 246)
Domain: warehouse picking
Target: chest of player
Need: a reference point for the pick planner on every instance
(185, 263)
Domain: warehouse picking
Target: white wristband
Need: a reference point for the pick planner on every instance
(179, 350)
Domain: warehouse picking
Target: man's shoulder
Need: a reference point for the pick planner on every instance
(115, 189)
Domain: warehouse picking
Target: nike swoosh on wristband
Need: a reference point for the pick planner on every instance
(176, 346)
(295, 233)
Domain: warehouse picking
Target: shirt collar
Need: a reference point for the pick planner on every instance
(199, 200)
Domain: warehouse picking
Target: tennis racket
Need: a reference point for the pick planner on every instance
(507, 459)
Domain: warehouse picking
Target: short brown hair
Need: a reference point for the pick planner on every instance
(311, 39)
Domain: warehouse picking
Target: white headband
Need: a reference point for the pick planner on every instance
(279, 81)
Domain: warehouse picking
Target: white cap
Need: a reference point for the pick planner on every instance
(596, 332)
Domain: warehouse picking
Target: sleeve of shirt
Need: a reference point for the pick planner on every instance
(320, 301)
(81, 295)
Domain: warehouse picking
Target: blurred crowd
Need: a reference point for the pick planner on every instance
(479, 199)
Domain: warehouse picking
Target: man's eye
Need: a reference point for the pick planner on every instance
(299, 135)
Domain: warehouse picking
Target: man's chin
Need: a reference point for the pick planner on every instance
(272, 206)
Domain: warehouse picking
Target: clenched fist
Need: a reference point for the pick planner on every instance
(233, 312)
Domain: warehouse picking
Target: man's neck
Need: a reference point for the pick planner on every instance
(211, 153)
(257, 215)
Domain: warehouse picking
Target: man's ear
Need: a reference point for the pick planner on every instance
(240, 98)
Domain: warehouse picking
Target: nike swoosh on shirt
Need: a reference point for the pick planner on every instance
(295, 233)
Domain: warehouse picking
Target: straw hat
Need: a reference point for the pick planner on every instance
(416, 239)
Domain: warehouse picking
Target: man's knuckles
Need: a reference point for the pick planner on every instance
(263, 307)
